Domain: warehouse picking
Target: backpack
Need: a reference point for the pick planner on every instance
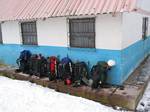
(65, 70)
(33, 64)
(23, 61)
(99, 74)
(80, 72)
(42, 66)
(52, 68)
(25, 55)
(38, 65)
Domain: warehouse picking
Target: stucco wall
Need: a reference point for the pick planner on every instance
(117, 38)
(135, 49)
(53, 41)
(108, 32)
(52, 32)
(11, 32)
(132, 28)
(144, 4)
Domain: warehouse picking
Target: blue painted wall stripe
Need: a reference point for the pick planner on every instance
(9, 54)
(127, 59)
(132, 56)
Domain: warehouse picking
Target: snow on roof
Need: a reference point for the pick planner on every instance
(34, 9)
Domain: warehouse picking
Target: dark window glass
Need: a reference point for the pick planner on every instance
(1, 40)
(29, 33)
(82, 33)
(145, 27)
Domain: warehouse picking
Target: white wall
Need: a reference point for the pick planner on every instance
(11, 33)
(132, 28)
(148, 24)
(108, 32)
(113, 33)
(52, 32)
(132, 24)
(144, 4)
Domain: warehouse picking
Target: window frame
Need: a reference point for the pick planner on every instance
(23, 33)
(1, 36)
(145, 23)
(93, 37)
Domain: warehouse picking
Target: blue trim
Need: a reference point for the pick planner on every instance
(82, 49)
(126, 60)
(10, 52)
(133, 56)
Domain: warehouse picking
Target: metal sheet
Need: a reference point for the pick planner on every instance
(33, 9)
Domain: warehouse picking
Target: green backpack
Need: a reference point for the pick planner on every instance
(99, 74)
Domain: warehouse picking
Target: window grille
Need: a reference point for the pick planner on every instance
(1, 40)
(82, 32)
(29, 33)
(145, 28)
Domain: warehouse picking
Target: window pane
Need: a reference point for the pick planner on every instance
(82, 33)
(29, 33)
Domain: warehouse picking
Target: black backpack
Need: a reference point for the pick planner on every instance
(38, 65)
(65, 70)
(99, 74)
(80, 71)
(33, 64)
(42, 66)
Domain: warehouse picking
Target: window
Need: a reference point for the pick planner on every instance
(29, 33)
(145, 28)
(82, 32)
(1, 40)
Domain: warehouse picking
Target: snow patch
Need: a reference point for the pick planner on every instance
(144, 104)
(22, 96)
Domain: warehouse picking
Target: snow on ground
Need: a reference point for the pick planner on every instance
(144, 104)
(21, 96)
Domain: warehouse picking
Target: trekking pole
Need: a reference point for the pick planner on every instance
(88, 65)
(17, 61)
(70, 68)
(56, 68)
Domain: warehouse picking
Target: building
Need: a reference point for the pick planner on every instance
(85, 30)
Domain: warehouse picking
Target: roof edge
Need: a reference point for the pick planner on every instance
(142, 11)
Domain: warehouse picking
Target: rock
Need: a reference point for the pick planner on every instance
(142, 104)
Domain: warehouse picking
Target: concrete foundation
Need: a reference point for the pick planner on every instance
(127, 98)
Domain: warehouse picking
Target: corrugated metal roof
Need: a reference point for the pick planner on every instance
(33, 9)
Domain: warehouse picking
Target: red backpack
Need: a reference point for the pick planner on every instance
(53, 64)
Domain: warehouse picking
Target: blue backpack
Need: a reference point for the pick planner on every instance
(23, 61)
(66, 60)
(25, 55)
